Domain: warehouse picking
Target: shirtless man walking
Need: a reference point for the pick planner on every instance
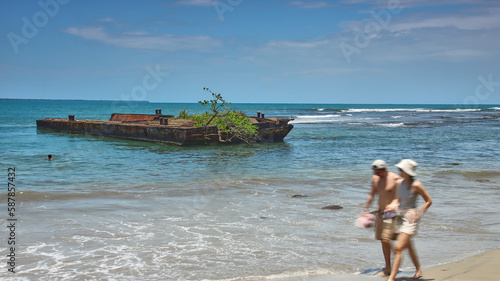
(383, 184)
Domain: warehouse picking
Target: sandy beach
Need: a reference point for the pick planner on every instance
(482, 267)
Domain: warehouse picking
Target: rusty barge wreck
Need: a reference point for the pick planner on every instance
(165, 129)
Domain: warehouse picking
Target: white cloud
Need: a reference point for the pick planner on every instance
(456, 14)
(464, 22)
(298, 44)
(199, 3)
(141, 40)
(333, 70)
(382, 4)
(309, 4)
(320, 56)
(106, 19)
(456, 33)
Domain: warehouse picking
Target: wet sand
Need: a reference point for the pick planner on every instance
(482, 267)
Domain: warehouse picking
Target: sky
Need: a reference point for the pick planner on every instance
(252, 51)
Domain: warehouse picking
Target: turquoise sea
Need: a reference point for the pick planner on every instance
(113, 209)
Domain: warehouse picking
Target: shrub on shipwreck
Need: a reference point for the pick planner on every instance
(230, 123)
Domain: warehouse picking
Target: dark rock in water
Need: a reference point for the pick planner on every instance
(483, 180)
(332, 207)
(299, 196)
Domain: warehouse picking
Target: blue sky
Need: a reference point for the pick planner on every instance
(287, 51)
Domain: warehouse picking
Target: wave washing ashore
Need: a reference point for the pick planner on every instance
(124, 210)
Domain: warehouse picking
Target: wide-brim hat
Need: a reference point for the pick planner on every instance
(408, 166)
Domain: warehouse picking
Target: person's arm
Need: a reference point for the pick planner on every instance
(420, 189)
(393, 206)
(392, 182)
(369, 198)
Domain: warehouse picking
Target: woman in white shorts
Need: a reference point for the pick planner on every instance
(408, 190)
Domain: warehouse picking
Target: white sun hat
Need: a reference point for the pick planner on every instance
(408, 166)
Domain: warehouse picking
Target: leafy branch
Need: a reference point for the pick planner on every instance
(217, 105)
(235, 124)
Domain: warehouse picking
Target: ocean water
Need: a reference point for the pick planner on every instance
(112, 209)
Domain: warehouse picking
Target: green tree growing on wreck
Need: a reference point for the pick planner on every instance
(232, 123)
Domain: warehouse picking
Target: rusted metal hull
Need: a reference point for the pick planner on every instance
(152, 133)
(137, 127)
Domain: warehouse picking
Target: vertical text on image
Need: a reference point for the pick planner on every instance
(11, 219)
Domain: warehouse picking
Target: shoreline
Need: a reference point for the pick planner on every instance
(480, 267)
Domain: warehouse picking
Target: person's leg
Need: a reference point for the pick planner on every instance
(387, 233)
(401, 244)
(386, 249)
(380, 234)
(414, 258)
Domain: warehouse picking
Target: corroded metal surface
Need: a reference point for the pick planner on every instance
(155, 128)
(127, 117)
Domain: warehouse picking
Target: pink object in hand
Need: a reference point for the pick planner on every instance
(365, 220)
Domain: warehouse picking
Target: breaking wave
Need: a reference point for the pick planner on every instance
(361, 110)
(308, 119)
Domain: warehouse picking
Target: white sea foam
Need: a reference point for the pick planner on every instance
(289, 275)
(390, 124)
(308, 119)
(455, 110)
(36, 248)
(361, 110)
(318, 116)
(354, 110)
(313, 119)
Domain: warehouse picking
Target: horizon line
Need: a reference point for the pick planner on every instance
(129, 101)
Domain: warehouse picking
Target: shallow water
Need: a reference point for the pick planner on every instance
(123, 210)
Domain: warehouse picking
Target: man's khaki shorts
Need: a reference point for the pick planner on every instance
(384, 228)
